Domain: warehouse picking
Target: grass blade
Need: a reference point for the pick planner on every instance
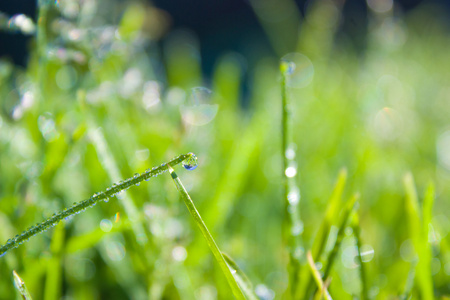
(418, 230)
(209, 239)
(343, 224)
(21, 287)
(362, 268)
(241, 278)
(81, 206)
(317, 278)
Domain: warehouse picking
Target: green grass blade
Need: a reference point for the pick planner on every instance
(331, 214)
(21, 287)
(362, 268)
(418, 231)
(209, 239)
(322, 290)
(53, 283)
(343, 224)
(241, 278)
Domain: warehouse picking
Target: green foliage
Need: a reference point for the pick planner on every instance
(108, 92)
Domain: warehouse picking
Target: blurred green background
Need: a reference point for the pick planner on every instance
(109, 90)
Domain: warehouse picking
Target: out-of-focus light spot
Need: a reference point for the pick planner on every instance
(103, 92)
(380, 6)
(297, 228)
(175, 96)
(105, 225)
(66, 78)
(388, 124)
(407, 251)
(264, 293)
(443, 149)
(326, 15)
(142, 155)
(367, 253)
(21, 23)
(392, 33)
(290, 153)
(299, 252)
(173, 228)
(47, 126)
(435, 266)
(131, 82)
(179, 253)
(152, 95)
(199, 110)
(348, 257)
(117, 217)
(298, 69)
(290, 171)
(115, 250)
(293, 196)
(206, 292)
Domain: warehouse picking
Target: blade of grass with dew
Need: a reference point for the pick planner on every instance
(331, 214)
(209, 239)
(52, 290)
(21, 287)
(82, 205)
(418, 231)
(244, 283)
(292, 225)
(322, 289)
(346, 213)
(362, 268)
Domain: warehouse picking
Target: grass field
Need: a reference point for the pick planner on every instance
(332, 172)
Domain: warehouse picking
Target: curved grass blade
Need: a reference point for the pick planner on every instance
(96, 198)
(21, 287)
(237, 292)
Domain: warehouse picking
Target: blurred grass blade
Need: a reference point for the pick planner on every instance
(331, 214)
(322, 289)
(241, 278)
(209, 239)
(343, 224)
(362, 268)
(53, 280)
(418, 231)
(21, 287)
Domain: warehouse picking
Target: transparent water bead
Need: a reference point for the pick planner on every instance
(199, 110)
(21, 23)
(298, 69)
(191, 162)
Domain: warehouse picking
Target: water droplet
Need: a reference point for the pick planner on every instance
(297, 228)
(294, 196)
(367, 253)
(21, 23)
(105, 225)
(2, 254)
(298, 69)
(198, 110)
(191, 162)
(290, 171)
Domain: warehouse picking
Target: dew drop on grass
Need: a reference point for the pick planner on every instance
(199, 109)
(298, 69)
(191, 162)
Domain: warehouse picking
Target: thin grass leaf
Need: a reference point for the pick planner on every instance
(96, 198)
(348, 209)
(244, 282)
(362, 268)
(322, 288)
(418, 230)
(21, 287)
(331, 214)
(209, 239)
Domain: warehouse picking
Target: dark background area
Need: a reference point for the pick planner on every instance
(220, 25)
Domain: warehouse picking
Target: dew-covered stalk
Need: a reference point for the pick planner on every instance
(293, 226)
(78, 207)
(21, 287)
(209, 239)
